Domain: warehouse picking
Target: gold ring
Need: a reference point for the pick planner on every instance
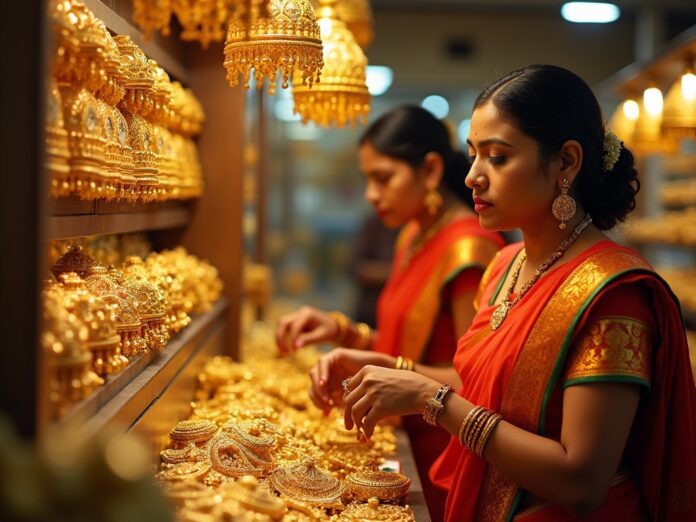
(346, 384)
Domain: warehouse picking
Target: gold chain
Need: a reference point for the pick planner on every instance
(506, 304)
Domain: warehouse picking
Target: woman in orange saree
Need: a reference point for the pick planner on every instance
(576, 399)
(415, 180)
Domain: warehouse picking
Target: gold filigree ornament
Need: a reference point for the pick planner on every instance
(64, 343)
(288, 42)
(57, 150)
(342, 97)
(252, 496)
(305, 482)
(103, 341)
(189, 453)
(151, 303)
(384, 485)
(232, 459)
(373, 511)
(192, 431)
(74, 260)
(184, 471)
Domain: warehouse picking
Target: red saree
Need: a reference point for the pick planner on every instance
(414, 317)
(516, 369)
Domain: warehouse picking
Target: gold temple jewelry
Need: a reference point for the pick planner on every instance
(384, 485)
(435, 405)
(196, 431)
(189, 453)
(422, 239)
(305, 482)
(502, 310)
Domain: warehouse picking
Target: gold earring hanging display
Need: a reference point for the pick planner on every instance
(564, 206)
(433, 201)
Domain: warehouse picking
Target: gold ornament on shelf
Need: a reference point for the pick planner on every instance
(57, 150)
(679, 113)
(250, 495)
(286, 43)
(342, 97)
(305, 482)
(74, 260)
(384, 485)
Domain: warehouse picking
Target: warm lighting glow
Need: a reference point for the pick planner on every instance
(652, 99)
(590, 12)
(436, 105)
(631, 109)
(688, 86)
(379, 79)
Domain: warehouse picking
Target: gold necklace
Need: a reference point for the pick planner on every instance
(506, 304)
(416, 246)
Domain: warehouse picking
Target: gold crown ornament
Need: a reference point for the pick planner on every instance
(64, 23)
(342, 97)
(170, 281)
(74, 260)
(151, 307)
(63, 340)
(128, 324)
(305, 482)
(286, 43)
(357, 14)
(103, 341)
(57, 149)
(91, 63)
(384, 485)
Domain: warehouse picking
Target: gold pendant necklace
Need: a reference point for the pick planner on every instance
(501, 311)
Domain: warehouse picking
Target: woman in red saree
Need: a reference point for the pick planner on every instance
(576, 398)
(415, 180)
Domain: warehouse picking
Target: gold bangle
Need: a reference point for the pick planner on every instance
(404, 363)
(466, 423)
(493, 421)
(342, 323)
(475, 428)
(435, 405)
(399, 362)
(364, 336)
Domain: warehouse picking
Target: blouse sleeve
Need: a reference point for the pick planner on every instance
(616, 342)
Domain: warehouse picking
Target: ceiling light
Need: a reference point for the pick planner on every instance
(590, 12)
(436, 105)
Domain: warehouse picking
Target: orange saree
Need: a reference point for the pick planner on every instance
(518, 370)
(414, 317)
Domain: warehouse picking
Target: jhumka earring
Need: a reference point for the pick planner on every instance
(564, 206)
(432, 201)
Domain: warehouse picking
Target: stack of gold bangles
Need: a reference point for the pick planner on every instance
(359, 337)
(477, 428)
(404, 363)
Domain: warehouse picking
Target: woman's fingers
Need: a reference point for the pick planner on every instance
(370, 421)
(317, 392)
(316, 335)
(359, 410)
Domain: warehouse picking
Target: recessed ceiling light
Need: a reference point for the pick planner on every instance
(590, 12)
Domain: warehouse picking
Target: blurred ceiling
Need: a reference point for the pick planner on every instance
(630, 5)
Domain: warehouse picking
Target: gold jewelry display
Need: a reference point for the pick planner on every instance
(404, 363)
(189, 453)
(305, 482)
(373, 511)
(192, 431)
(184, 471)
(75, 260)
(249, 493)
(433, 201)
(57, 150)
(233, 459)
(384, 485)
(506, 304)
(435, 405)
(183, 491)
(357, 14)
(564, 206)
(341, 98)
(288, 43)
(419, 242)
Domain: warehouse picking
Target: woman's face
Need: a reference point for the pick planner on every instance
(393, 187)
(511, 189)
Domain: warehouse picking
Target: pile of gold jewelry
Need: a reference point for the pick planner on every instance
(679, 193)
(116, 126)
(98, 319)
(257, 449)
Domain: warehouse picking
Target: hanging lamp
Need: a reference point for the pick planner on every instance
(357, 14)
(679, 113)
(287, 43)
(342, 97)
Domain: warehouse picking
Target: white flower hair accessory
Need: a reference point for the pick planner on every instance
(611, 150)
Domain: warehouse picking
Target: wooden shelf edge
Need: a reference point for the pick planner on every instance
(127, 395)
(70, 226)
(152, 48)
(415, 497)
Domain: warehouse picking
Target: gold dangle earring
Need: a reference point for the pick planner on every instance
(432, 201)
(564, 206)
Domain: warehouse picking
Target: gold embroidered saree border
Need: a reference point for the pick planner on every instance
(540, 363)
(467, 252)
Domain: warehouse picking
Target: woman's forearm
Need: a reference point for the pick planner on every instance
(440, 374)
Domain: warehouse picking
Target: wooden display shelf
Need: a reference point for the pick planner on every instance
(415, 497)
(126, 396)
(74, 218)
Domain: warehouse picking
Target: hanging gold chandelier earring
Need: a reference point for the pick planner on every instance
(432, 201)
(564, 206)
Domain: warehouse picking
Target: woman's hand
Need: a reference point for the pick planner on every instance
(304, 326)
(331, 369)
(375, 393)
